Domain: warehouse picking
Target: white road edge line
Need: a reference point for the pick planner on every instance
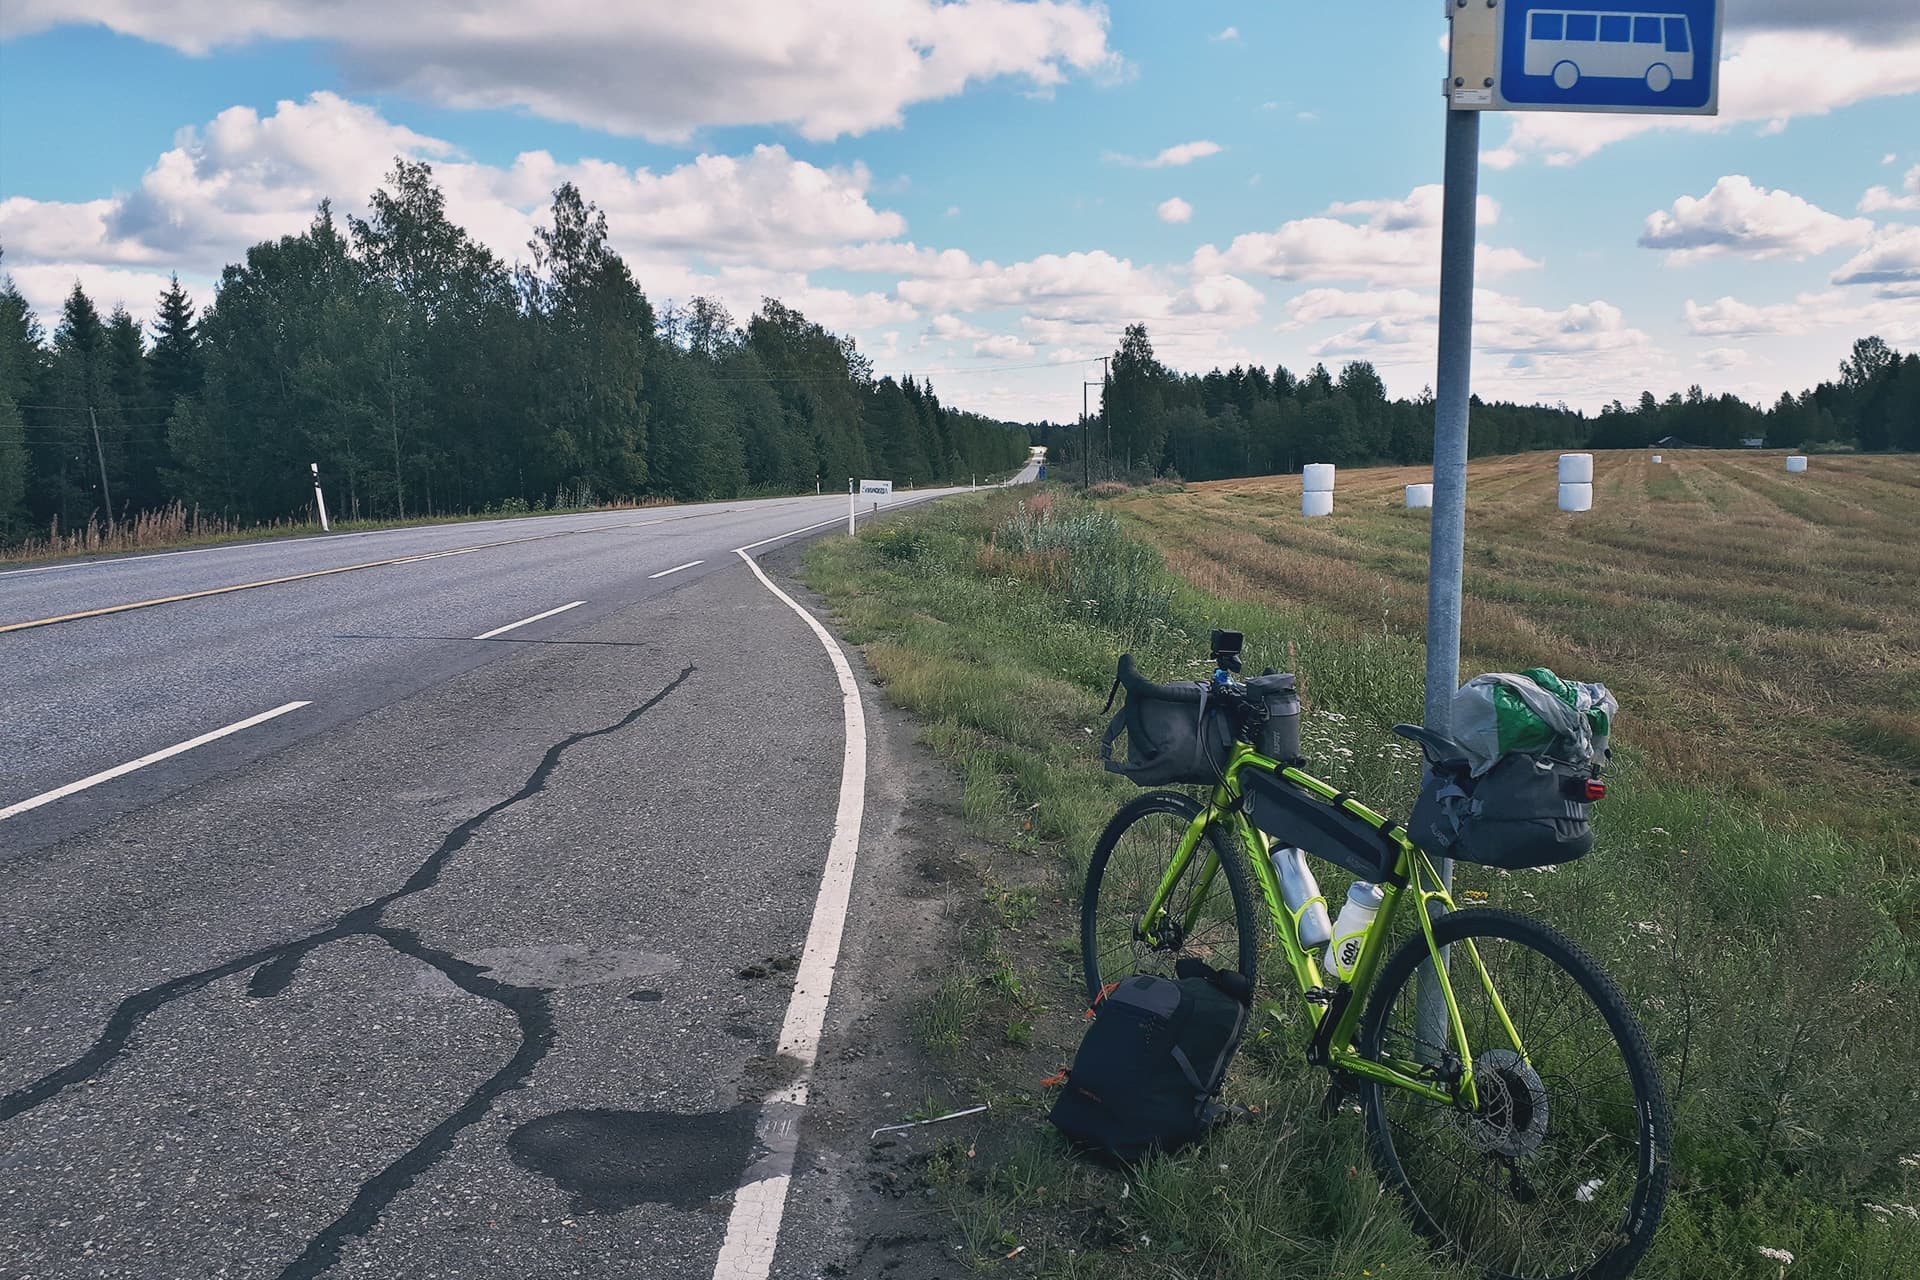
(108, 775)
(512, 626)
(753, 1228)
(742, 551)
(677, 568)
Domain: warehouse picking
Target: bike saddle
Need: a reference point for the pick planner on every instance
(1442, 751)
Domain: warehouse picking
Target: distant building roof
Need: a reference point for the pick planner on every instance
(1674, 442)
(1753, 442)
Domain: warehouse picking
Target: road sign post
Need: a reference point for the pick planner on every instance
(1641, 56)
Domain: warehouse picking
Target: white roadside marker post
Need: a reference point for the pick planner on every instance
(320, 499)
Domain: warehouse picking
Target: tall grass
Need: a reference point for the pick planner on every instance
(1764, 954)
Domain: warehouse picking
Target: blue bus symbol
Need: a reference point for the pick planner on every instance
(1573, 45)
(1609, 55)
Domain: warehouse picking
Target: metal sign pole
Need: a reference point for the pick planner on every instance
(1447, 543)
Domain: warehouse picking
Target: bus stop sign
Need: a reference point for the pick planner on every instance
(1656, 56)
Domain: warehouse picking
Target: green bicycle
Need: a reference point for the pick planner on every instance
(1520, 1115)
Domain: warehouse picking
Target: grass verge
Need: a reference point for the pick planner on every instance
(1765, 955)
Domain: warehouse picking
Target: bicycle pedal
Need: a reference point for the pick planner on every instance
(1319, 995)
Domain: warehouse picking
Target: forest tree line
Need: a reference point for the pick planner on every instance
(426, 376)
(1247, 421)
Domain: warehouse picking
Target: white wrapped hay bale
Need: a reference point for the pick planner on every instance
(1656, 459)
(1576, 468)
(1317, 477)
(1576, 497)
(1796, 463)
(1419, 495)
(1316, 502)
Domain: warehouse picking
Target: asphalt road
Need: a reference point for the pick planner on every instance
(473, 965)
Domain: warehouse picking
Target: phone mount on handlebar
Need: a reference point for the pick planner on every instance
(1226, 649)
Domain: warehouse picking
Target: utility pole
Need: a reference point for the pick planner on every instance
(1085, 442)
(101, 454)
(1085, 415)
(1104, 419)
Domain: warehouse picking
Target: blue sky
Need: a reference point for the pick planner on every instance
(990, 190)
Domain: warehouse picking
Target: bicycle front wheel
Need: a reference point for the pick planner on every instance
(1209, 913)
(1561, 1170)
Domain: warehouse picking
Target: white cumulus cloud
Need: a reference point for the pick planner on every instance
(1737, 216)
(1003, 346)
(1396, 241)
(246, 177)
(1174, 209)
(824, 67)
(1890, 261)
(1173, 157)
(1880, 199)
(1824, 312)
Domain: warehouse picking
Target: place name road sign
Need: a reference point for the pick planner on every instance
(881, 487)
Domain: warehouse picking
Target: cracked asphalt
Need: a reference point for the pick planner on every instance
(474, 967)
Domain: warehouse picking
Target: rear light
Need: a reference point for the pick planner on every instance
(1595, 789)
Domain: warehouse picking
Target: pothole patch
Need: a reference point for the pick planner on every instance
(611, 1161)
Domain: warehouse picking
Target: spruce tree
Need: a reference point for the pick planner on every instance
(175, 366)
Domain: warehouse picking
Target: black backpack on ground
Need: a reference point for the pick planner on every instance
(1151, 1064)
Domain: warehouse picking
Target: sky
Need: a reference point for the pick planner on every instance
(986, 192)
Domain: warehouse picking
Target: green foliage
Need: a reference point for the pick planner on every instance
(425, 376)
(1765, 956)
(1249, 422)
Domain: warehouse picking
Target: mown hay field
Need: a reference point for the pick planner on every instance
(1755, 887)
(1761, 629)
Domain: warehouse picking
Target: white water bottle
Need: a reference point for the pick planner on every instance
(1301, 892)
(1350, 930)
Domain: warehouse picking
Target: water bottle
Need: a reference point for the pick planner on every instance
(1301, 892)
(1350, 930)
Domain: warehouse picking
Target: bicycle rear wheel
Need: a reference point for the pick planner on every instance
(1562, 1171)
(1132, 854)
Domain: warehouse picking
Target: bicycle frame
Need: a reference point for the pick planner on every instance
(1344, 1003)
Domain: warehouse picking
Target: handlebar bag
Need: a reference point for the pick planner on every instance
(1174, 733)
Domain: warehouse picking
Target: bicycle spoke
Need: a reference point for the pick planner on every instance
(1543, 1177)
(1199, 916)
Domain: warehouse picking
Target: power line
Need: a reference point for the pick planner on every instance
(81, 408)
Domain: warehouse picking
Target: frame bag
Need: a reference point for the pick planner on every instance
(1153, 1061)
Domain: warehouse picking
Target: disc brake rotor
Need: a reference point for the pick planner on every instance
(1512, 1120)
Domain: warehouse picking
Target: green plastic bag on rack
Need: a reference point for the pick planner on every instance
(1524, 795)
(1533, 712)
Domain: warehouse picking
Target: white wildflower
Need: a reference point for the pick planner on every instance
(1780, 1256)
